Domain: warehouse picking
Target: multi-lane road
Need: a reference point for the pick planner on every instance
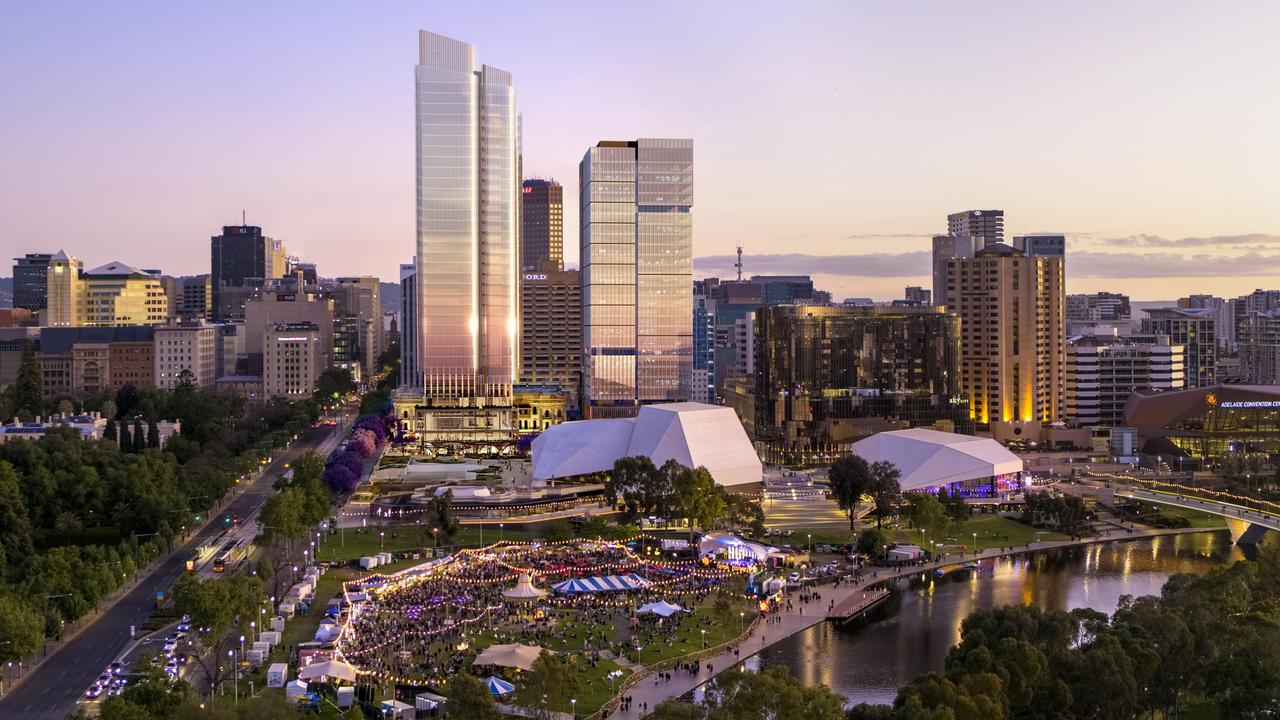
(51, 691)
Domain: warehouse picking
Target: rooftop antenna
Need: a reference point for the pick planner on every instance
(242, 220)
(739, 263)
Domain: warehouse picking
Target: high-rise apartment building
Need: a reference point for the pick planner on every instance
(637, 274)
(1259, 345)
(358, 339)
(1224, 317)
(551, 332)
(31, 281)
(1104, 370)
(111, 294)
(828, 375)
(704, 341)
(1098, 307)
(967, 232)
(197, 298)
(1194, 329)
(1013, 337)
(239, 254)
(916, 295)
(542, 223)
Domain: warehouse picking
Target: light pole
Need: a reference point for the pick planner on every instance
(573, 704)
(742, 617)
(975, 543)
(500, 527)
(704, 637)
(382, 541)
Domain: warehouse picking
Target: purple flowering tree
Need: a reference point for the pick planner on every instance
(363, 443)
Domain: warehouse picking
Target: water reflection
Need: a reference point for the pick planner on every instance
(913, 632)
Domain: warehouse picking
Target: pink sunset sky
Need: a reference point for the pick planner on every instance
(831, 138)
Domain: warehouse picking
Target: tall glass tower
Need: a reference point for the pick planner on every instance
(637, 274)
(468, 254)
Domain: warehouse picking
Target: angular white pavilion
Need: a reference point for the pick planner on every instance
(929, 458)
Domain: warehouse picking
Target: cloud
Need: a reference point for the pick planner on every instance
(873, 236)
(1080, 264)
(1253, 240)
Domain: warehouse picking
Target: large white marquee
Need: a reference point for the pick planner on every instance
(929, 458)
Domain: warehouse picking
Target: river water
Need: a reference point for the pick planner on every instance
(911, 633)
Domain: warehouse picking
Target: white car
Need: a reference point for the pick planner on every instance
(170, 647)
(93, 692)
(793, 577)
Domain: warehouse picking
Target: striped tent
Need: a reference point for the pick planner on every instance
(498, 686)
(608, 583)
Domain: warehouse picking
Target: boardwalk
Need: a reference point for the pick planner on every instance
(849, 599)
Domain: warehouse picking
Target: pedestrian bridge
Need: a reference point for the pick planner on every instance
(1246, 524)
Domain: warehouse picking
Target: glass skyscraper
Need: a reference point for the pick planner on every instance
(468, 190)
(637, 274)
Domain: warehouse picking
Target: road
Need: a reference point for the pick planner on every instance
(51, 692)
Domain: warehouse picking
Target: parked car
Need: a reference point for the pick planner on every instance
(93, 692)
(793, 577)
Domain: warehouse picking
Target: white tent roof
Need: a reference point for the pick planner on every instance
(662, 608)
(694, 434)
(524, 589)
(928, 457)
(335, 669)
(511, 655)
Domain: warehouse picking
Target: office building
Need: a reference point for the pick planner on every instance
(197, 298)
(967, 232)
(467, 295)
(1186, 427)
(1102, 371)
(31, 281)
(1193, 329)
(1224, 317)
(1034, 245)
(358, 340)
(1259, 346)
(829, 375)
(1098, 307)
(704, 345)
(918, 296)
(294, 355)
(186, 352)
(551, 332)
(1258, 301)
(542, 223)
(409, 321)
(285, 306)
(239, 254)
(637, 274)
(111, 294)
(76, 361)
(1013, 338)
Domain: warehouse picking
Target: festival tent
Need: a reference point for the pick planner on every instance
(513, 655)
(335, 669)
(661, 609)
(524, 589)
(608, 583)
(498, 686)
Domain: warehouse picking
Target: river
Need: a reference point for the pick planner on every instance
(912, 632)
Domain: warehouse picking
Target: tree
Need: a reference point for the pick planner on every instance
(551, 683)
(66, 408)
(771, 694)
(139, 439)
(220, 606)
(109, 409)
(153, 434)
(871, 541)
(470, 699)
(957, 509)
(850, 478)
(126, 437)
(28, 386)
(333, 384)
(109, 432)
(676, 710)
(15, 525)
(885, 489)
(444, 524)
(742, 512)
(21, 629)
(641, 487)
(927, 512)
(694, 495)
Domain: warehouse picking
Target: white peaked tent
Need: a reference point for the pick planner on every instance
(692, 434)
(524, 589)
(661, 609)
(335, 669)
(927, 458)
(512, 655)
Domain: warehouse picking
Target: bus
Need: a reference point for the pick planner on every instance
(203, 551)
(226, 556)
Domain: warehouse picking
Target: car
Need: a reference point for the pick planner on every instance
(171, 667)
(172, 637)
(170, 647)
(93, 692)
(116, 668)
(793, 577)
(184, 627)
(103, 679)
(112, 692)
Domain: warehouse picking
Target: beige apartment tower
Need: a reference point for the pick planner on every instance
(1013, 338)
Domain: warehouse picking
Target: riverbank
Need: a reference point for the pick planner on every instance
(646, 692)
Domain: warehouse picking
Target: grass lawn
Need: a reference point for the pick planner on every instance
(992, 531)
(1195, 517)
(347, 545)
(597, 688)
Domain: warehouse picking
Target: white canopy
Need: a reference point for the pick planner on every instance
(524, 589)
(334, 669)
(661, 609)
(720, 543)
(694, 434)
(928, 458)
(512, 655)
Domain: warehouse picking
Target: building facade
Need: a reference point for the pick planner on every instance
(1041, 244)
(31, 281)
(283, 307)
(551, 331)
(637, 274)
(108, 295)
(197, 298)
(1186, 427)
(542, 225)
(1103, 371)
(239, 254)
(294, 355)
(1193, 329)
(1013, 337)
(186, 351)
(827, 376)
(1259, 346)
(1098, 307)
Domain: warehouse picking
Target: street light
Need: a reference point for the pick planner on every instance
(382, 541)
(975, 543)
(704, 637)
(573, 703)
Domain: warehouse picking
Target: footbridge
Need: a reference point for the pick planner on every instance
(1247, 518)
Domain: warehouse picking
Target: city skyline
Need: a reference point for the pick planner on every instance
(308, 134)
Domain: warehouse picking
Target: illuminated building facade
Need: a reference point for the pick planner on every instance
(637, 274)
(1013, 337)
(1189, 426)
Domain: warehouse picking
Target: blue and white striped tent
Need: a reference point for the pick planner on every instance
(498, 686)
(608, 583)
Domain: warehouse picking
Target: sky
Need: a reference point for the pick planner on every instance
(830, 138)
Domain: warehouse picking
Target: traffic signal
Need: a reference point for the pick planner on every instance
(226, 519)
